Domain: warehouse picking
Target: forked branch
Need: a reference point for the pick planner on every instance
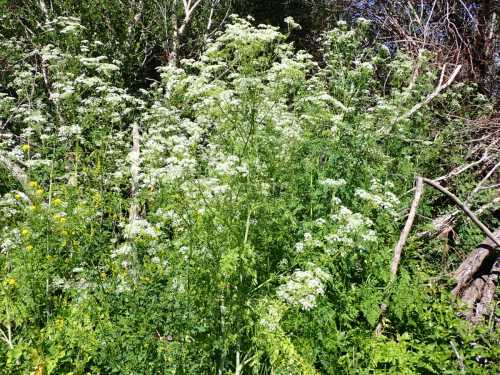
(419, 189)
(440, 87)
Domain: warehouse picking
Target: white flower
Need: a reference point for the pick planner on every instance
(299, 247)
(139, 227)
(123, 250)
(332, 183)
(303, 287)
(292, 25)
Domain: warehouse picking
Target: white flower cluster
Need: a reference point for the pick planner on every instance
(329, 182)
(205, 189)
(139, 227)
(123, 250)
(66, 25)
(270, 321)
(303, 287)
(168, 146)
(341, 232)
(9, 240)
(380, 197)
(227, 165)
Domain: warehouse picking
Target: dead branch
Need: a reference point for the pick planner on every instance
(461, 169)
(483, 306)
(440, 87)
(481, 183)
(407, 228)
(43, 7)
(467, 271)
(399, 246)
(464, 208)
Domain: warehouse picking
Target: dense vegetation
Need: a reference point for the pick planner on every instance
(231, 213)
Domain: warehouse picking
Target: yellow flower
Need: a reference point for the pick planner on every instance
(59, 218)
(25, 232)
(33, 184)
(17, 196)
(39, 191)
(57, 202)
(10, 281)
(29, 248)
(25, 147)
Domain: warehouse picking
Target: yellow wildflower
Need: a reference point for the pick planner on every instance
(25, 147)
(59, 218)
(25, 232)
(10, 281)
(29, 248)
(57, 202)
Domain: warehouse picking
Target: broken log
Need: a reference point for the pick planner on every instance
(476, 279)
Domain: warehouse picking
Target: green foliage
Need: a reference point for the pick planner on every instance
(251, 232)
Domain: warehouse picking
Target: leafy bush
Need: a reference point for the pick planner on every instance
(247, 230)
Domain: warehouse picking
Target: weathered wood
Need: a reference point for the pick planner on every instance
(476, 279)
(483, 306)
(473, 294)
(473, 263)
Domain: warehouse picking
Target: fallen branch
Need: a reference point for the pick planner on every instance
(461, 169)
(483, 305)
(445, 222)
(419, 188)
(407, 228)
(471, 265)
(440, 87)
(481, 183)
(464, 208)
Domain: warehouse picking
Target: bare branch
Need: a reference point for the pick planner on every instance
(43, 7)
(464, 208)
(461, 169)
(399, 246)
(488, 175)
(407, 228)
(440, 87)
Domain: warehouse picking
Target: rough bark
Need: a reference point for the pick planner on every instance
(477, 277)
